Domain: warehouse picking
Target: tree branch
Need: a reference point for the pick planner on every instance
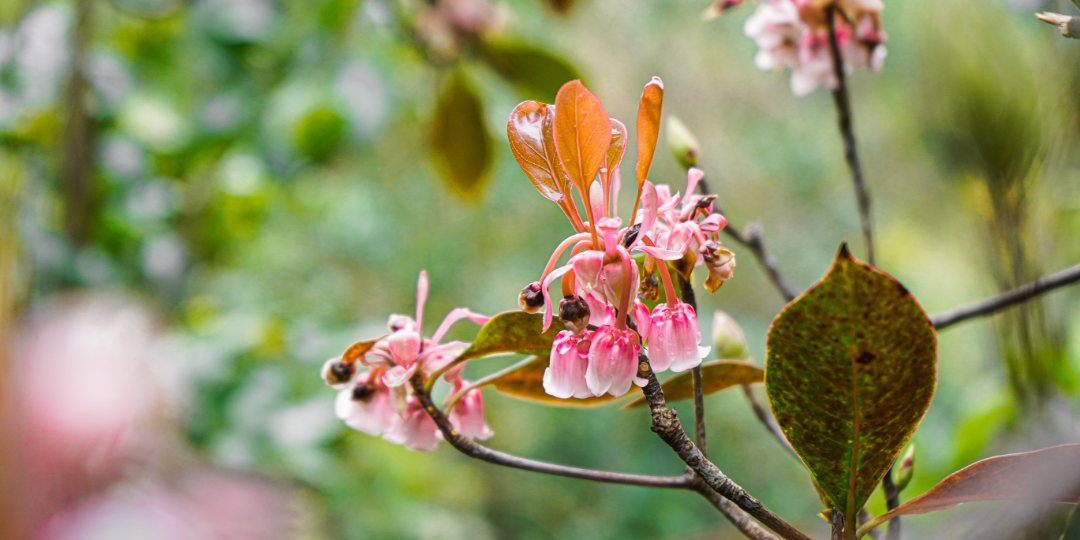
(686, 287)
(467, 446)
(892, 500)
(472, 449)
(665, 423)
(1020, 294)
(843, 112)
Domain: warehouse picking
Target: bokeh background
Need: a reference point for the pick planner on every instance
(202, 201)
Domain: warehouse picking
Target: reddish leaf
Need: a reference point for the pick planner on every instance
(648, 127)
(582, 134)
(531, 144)
(715, 376)
(1050, 474)
(359, 349)
(618, 145)
(527, 382)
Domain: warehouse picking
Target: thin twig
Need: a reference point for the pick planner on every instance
(665, 423)
(472, 449)
(843, 113)
(892, 500)
(1020, 294)
(767, 420)
(751, 238)
(686, 287)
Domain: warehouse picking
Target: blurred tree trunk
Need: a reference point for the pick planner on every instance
(78, 166)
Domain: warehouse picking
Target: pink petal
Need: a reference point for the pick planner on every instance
(558, 272)
(421, 297)
(454, 316)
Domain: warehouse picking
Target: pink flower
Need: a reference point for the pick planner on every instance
(417, 431)
(368, 405)
(467, 415)
(565, 375)
(674, 338)
(612, 361)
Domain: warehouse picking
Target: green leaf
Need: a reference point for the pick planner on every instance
(538, 74)
(513, 332)
(460, 142)
(715, 376)
(850, 371)
(527, 382)
(1076, 3)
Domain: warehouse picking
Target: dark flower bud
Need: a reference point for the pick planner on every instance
(531, 298)
(650, 288)
(337, 372)
(574, 312)
(631, 235)
(362, 392)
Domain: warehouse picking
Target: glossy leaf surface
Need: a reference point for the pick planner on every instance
(537, 73)
(527, 382)
(850, 371)
(716, 375)
(460, 142)
(529, 133)
(648, 127)
(582, 134)
(618, 145)
(513, 332)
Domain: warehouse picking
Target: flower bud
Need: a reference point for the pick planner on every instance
(729, 341)
(682, 143)
(400, 322)
(721, 265)
(531, 298)
(362, 393)
(906, 469)
(574, 313)
(337, 373)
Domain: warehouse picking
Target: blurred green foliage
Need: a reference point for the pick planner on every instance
(263, 174)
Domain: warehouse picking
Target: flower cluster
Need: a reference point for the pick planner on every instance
(794, 34)
(379, 401)
(575, 145)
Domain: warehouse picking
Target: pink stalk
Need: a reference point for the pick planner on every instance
(421, 298)
(559, 250)
(665, 276)
(624, 302)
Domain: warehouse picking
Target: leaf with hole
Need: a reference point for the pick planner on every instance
(716, 375)
(538, 74)
(850, 370)
(1051, 474)
(513, 332)
(582, 134)
(460, 142)
(527, 382)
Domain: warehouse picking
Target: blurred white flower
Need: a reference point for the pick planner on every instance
(123, 157)
(42, 54)
(163, 257)
(155, 123)
(365, 96)
(110, 77)
(242, 174)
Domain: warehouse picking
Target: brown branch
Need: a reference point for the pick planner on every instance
(1020, 294)
(467, 446)
(686, 287)
(892, 500)
(78, 158)
(837, 525)
(472, 449)
(741, 520)
(665, 423)
(843, 112)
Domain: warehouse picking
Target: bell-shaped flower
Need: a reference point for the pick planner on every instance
(417, 431)
(674, 338)
(612, 361)
(368, 405)
(467, 415)
(614, 275)
(565, 374)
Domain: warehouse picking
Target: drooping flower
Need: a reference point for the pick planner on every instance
(612, 361)
(467, 415)
(378, 401)
(674, 338)
(565, 375)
